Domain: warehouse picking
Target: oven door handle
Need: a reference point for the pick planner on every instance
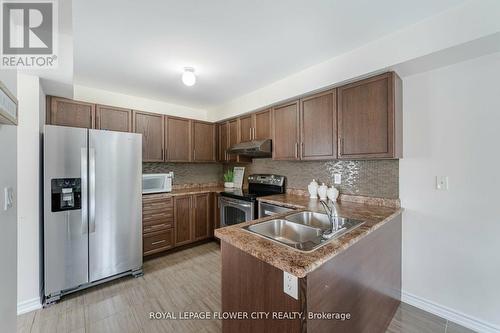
(235, 203)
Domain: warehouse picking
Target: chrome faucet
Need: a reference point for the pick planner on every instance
(332, 217)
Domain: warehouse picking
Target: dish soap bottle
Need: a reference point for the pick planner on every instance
(313, 189)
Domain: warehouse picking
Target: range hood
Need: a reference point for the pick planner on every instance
(257, 148)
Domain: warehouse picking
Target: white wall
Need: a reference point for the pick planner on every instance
(451, 239)
(28, 160)
(465, 23)
(99, 96)
(8, 219)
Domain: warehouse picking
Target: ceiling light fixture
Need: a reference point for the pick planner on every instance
(188, 77)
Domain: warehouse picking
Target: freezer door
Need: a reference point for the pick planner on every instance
(65, 231)
(115, 203)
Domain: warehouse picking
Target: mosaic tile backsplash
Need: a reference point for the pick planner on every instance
(377, 178)
(187, 173)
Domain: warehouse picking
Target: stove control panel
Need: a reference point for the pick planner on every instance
(266, 179)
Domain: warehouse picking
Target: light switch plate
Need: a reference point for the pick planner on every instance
(337, 178)
(8, 198)
(291, 285)
(442, 183)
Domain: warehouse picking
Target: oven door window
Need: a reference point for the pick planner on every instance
(233, 215)
(234, 212)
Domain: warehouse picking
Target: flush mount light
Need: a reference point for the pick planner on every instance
(188, 77)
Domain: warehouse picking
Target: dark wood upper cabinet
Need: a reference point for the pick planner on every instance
(370, 118)
(233, 135)
(246, 128)
(178, 139)
(223, 142)
(150, 125)
(318, 126)
(203, 141)
(262, 128)
(286, 131)
(255, 126)
(113, 119)
(201, 216)
(182, 216)
(66, 112)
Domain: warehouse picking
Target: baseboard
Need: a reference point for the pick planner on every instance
(450, 314)
(28, 306)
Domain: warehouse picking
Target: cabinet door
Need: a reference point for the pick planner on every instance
(66, 112)
(366, 118)
(318, 126)
(203, 142)
(233, 138)
(201, 216)
(216, 223)
(246, 128)
(223, 141)
(182, 220)
(178, 139)
(286, 131)
(113, 119)
(150, 125)
(262, 128)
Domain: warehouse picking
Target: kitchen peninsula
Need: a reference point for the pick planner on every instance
(355, 276)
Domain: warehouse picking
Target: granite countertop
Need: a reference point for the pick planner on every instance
(301, 263)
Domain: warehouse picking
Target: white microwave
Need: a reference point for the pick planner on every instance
(157, 182)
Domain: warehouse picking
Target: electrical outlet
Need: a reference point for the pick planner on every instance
(442, 183)
(8, 198)
(337, 178)
(291, 285)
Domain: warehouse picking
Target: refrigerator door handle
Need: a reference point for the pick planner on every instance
(84, 184)
(91, 190)
(68, 226)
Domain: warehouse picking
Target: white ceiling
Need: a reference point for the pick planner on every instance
(236, 46)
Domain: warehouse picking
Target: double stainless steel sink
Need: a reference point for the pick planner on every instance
(303, 231)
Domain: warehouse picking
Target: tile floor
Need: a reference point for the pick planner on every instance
(187, 280)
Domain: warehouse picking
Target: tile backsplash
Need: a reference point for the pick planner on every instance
(187, 173)
(375, 178)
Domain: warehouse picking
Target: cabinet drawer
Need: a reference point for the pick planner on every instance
(154, 227)
(155, 198)
(161, 211)
(157, 204)
(158, 241)
(162, 216)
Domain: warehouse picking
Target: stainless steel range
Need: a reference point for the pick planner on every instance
(237, 206)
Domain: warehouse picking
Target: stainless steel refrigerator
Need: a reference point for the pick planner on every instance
(92, 208)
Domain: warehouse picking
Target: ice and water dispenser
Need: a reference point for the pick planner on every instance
(66, 194)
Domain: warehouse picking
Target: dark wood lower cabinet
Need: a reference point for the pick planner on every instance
(183, 206)
(363, 282)
(157, 223)
(216, 211)
(250, 285)
(201, 216)
(169, 221)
